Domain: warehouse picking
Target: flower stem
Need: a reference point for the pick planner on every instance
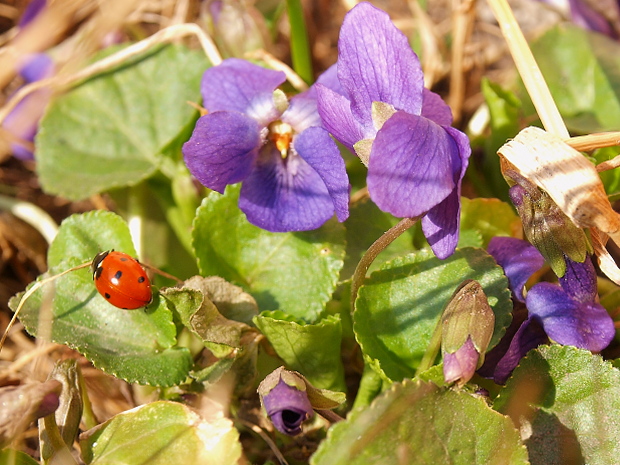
(373, 251)
(529, 70)
(432, 349)
(300, 48)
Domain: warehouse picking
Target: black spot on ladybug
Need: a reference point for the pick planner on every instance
(118, 274)
(141, 279)
(123, 259)
(107, 296)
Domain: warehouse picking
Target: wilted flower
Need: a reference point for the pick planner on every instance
(294, 178)
(400, 130)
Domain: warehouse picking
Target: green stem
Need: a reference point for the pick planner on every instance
(300, 48)
(373, 251)
(432, 349)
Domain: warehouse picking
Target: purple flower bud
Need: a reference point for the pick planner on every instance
(467, 327)
(285, 399)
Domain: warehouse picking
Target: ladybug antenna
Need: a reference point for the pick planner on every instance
(31, 291)
(162, 273)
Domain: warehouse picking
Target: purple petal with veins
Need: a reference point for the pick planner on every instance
(519, 259)
(222, 149)
(238, 85)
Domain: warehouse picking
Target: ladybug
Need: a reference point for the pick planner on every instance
(121, 280)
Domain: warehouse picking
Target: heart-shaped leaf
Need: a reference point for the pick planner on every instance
(399, 306)
(113, 129)
(418, 422)
(136, 345)
(294, 272)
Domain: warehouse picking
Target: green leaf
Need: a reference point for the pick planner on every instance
(418, 422)
(577, 393)
(582, 70)
(293, 272)
(15, 457)
(113, 129)
(490, 217)
(400, 305)
(137, 345)
(162, 433)
(311, 349)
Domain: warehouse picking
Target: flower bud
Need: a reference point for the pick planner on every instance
(467, 326)
(285, 399)
(546, 226)
(289, 399)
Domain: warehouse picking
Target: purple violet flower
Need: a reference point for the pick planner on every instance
(400, 130)
(294, 178)
(34, 8)
(23, 121)
(601, 17)
(285, 399)
(568, 313)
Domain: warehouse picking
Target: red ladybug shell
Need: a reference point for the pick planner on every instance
(121, 280)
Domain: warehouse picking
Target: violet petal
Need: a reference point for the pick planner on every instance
(288, 408)
(461, 365)
(435, 109)
(335, 112)
(579, 281)
(238, 85)
(222, 149)
(499, 366)
(31, 12)
(318, 149)
(518, 258)
(36, 66)
(414, 165)
(376, 64)
(584, 325)
(441, 225)
(282, 195)
(302, 112)
(329, 79)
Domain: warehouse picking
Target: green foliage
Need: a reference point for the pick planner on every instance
(162, 433)
(400, 305)
(292, 272)
(489, 218)
(116, 129)
(138, 345)
(571, 400)
(418, 422)
(582, 70)
(311, 349)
